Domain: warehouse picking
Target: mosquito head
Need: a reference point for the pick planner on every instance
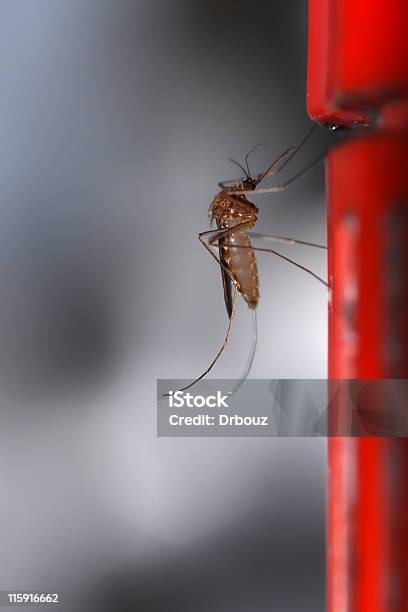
(249, 184)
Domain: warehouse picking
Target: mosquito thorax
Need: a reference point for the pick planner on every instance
(227, 207)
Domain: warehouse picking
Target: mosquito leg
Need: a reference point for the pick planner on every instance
(211, 249)
(212, 253)
(279, 163)
(283, 159)
(216, 235)
(294, 263)
(284, 240)
(251, 356)
(224, 184)
(223, 233)
(283, 186)
(218, 355)
(275, 189)
(293, 151)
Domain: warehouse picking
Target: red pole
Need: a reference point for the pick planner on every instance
(358, 70)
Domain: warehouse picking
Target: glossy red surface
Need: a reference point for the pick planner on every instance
(368, 338)
(358, 69)
(357, 58)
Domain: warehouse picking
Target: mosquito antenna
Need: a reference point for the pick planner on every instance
(218, 355)
(260, 144)
(239, 166)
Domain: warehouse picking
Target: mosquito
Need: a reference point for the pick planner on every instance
(230, 244)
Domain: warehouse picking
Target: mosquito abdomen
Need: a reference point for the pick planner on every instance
(230, 211)
(242, 264)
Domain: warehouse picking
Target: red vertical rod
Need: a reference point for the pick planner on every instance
(368, 335)
(358, 69)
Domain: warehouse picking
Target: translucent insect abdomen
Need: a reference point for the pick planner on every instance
(229, 211)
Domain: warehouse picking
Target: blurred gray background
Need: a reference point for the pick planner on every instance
(117, 120)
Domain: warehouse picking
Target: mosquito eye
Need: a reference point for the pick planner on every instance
(249, 184)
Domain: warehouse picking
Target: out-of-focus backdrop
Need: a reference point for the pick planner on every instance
(117, 120)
